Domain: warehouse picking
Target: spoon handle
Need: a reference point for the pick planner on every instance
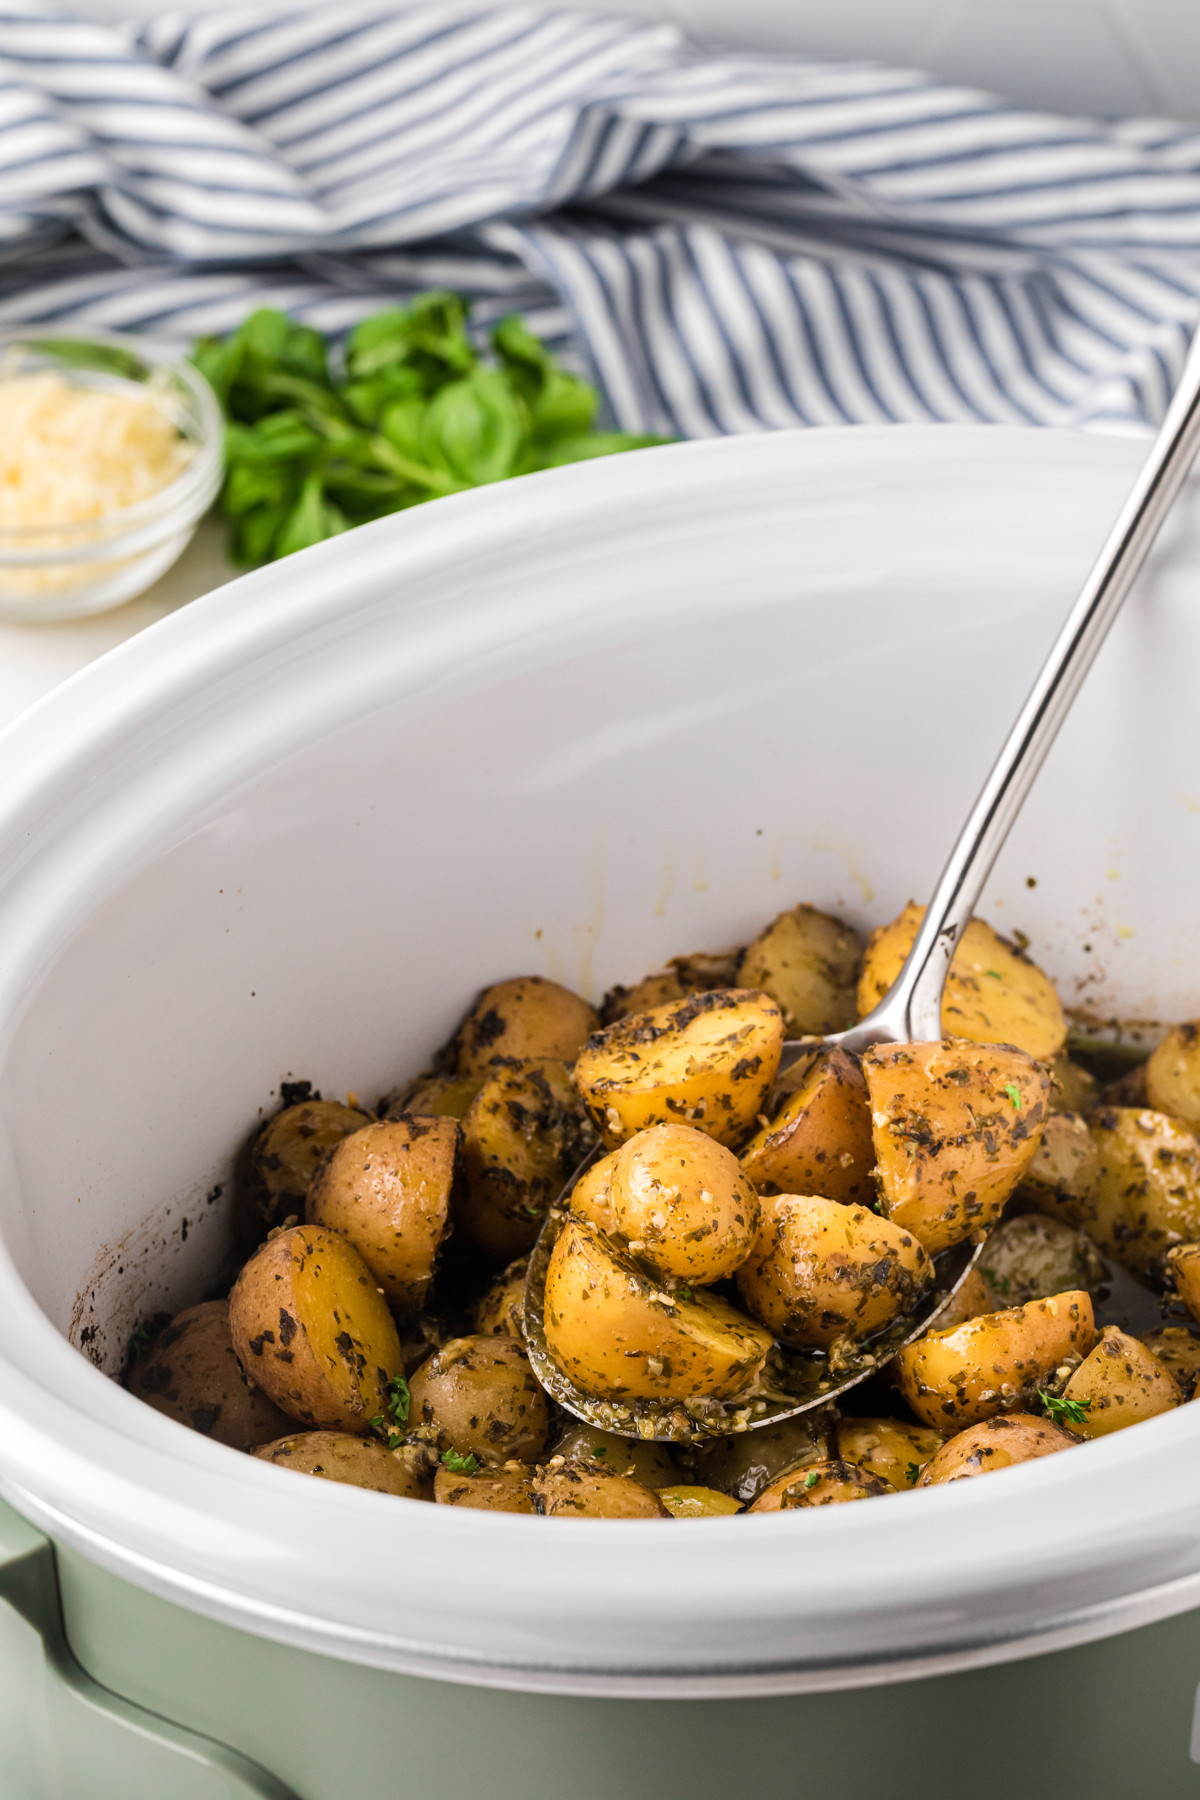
(912, 1010)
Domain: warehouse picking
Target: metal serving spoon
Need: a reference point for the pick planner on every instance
(911, 1010)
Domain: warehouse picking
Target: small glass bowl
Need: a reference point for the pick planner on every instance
(66, 571)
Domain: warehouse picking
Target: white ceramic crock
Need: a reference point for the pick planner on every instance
(571, 725)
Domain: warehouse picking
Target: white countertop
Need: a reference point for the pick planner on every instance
(35, 658)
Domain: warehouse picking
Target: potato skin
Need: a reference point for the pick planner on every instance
(1173, 1075)
(1062, 1177)
(1030, 1256)
(527, 1018)
(950, 1142)
(1121, 1382)
(310, 1328)
(685, 1502)
(1184, 1264)
(707, 1061)
(387, 1188)
(613, 1331)
(284, 1156)
(569, 1490)
(994, 994)
(482, 1398)
(591, 1197)
(501, 1311)
(823, 1484)
(808, 962)
(192, 1375)
(1073, 1089)
(506, 1489)
(645, 1459)
(744, 1465)
(359, 1462)
(432, 1097)
(524, 1135)
(1147, 1193)
(994, 1444)
(683, 1204)
(888, 1448)
(825, 1274)
(820, 1143)
(1178, 1349)
(694, 974)
(993, 1363)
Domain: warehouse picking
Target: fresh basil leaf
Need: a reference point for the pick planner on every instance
(253, 537)
(311, 520)
(526, 358)
(276, 437)
(250, 484)
(596, 443)
(401, 425)
(368, 400)
(565, 408)
(473, 428)
(429, 334)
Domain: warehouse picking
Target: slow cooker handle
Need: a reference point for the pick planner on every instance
(89, 1743)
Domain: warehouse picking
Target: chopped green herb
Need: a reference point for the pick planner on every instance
(1064, 1411)
(459, 1465)
(395, 1440)
(600, 1450)
(399, 1399)
(1001, 1283)
(683, 1293)
(1014, 1095)
(139, 1339)
(994, 974)
(911, 1473)
(811, 1480)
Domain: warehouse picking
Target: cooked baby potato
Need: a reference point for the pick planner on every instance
(528, 1018)
(311, 1328)
(1073, 1089)
(888, 1448)
(591, 1197)
(1147, 1193)
(191, 1374)
(1061, 1180)
(524, 1134)
(995, 1363)
(482, 1398)
(809, 963)
(506, 1489)
(1173, 1075)
(743, 1465)
(683, 975)
(569, 1490)
(501, 1311)
(697, 1502)
(613, 1331)
(682, 1203)
(1031, 1256)
(432, 1097)
(824, 1484)
(283, 1158)
(956, 1126)
(648, 1461)
(1177, 1347)
(707, 1061)
(1119, 1383)
(994, 994)
(386, 1188)
(995, 1444)
(971, 1297)
(830, 1275)
(820, 1143)
(1184, 1265)
(360, 1462)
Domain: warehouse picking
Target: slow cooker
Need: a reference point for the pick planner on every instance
(569, 725)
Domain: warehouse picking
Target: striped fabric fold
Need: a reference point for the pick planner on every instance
(727, 243)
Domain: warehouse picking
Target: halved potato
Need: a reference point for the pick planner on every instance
(646, 1459)
(993, 995)
(191, 1374)
(386, 1188)
(707, 1061)
(481, 1397)
(1030, 1256)
(501, 1311)
(1177, 1347)
(956, 1126)
(614, 1331)
(1147, 1193)
(745, 1464)
(824, 1484)
(995, 1444)
(1173, 1075)
(683, 975)
(359, 1462)
(697, 1502)
(995, 1363)
(888, 1448)
(506, 1489)
(432, 1096)
(682, 1203)
(972, 1297)
(820, 1143)
(591, 1197)
(284, 1156)
(311, 1329)
(1119, 1383)
(1073, 1089)
(527, 1018)
(830, 1275)
(1061, 1180)
(570, 1490)
(1184, 1265)
(808, 962)
(524, 1135)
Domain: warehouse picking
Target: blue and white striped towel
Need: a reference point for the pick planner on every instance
(728, 243)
